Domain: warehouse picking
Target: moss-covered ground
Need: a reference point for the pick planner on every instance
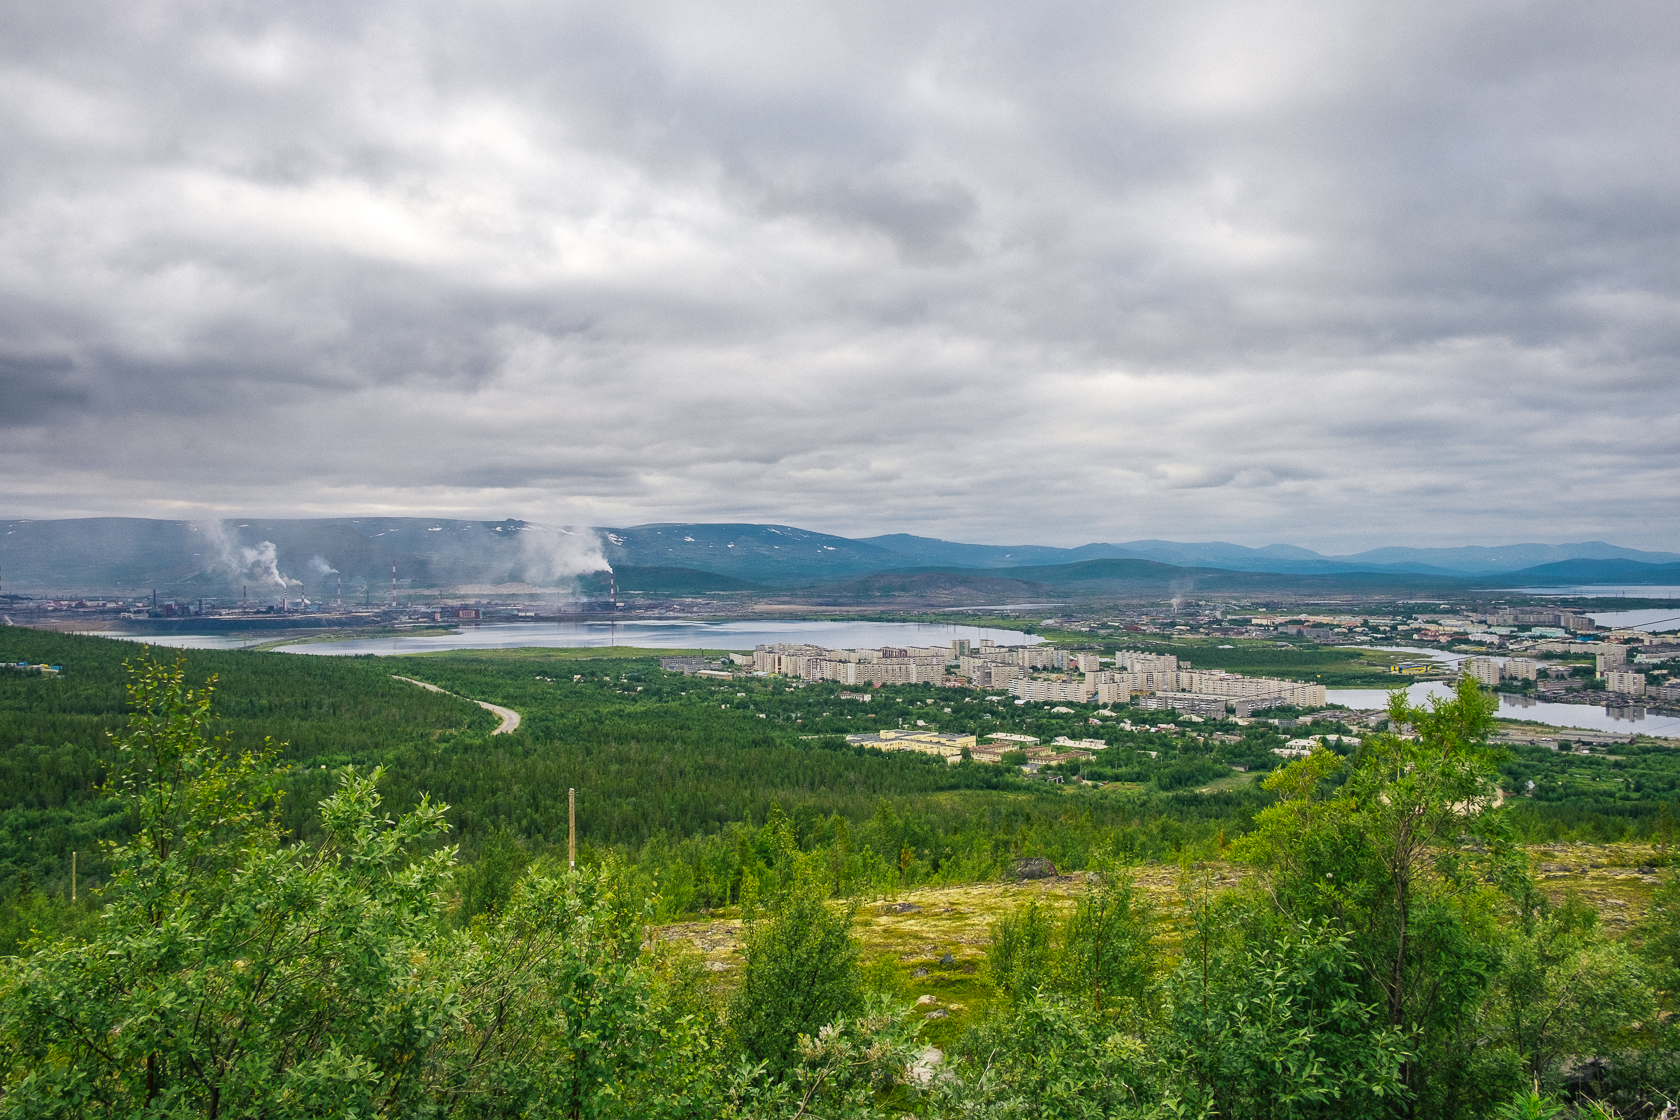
(929, 946)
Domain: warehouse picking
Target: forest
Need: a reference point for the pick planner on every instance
(1389, 951)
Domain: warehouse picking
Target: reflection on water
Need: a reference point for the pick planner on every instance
(1587, 717)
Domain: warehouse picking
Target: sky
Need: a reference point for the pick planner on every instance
(1338, 275)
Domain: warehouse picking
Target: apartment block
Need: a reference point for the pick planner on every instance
(1625, 681)
(1067, 692)
(1190, 703)
(1136, 662)
(1484, 670)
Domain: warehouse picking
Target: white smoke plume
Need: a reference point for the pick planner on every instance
(319, 565)
(555, 555)
(1181, 592)
(260, 564)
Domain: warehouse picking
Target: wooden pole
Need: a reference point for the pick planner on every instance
(571, 829)
(72, 876)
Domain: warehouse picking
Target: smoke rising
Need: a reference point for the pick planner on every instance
(554, 554)
(319, 565)
(241, 562)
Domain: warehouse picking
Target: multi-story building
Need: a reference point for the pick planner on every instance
(1484, 670)
(906, 670)
(1190, 703)
(1110, 692)
(1257, 692)
(1136, 662)
(1522, 669)
(841, 672)
(1625, 681)
(1212, 682)
(1610, 656)
(1076, 692)
(1087, 663)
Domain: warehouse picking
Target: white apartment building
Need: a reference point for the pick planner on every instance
(1137, 662)
(1075, 692)
(1609, 657)
(1117, 688)
(1625, 681)
(1484, 670)
(1211, 682)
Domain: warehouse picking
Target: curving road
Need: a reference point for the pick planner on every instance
(509, 717)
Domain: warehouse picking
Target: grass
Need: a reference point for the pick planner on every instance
(905, 936)
(1235, 780)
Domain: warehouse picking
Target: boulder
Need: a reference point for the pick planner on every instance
(1034, 867)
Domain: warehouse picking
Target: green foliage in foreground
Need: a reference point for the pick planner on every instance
(1395, 960)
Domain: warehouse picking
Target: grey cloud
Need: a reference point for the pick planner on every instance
(1067, 272)
(38, 388)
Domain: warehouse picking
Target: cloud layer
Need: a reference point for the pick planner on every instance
(1341, 275)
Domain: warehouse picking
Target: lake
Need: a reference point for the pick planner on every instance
(650, 634)
(1622, 719)
(1665, 618)
(1603, 591)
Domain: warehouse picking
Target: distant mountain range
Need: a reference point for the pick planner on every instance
(260, 556)
(1468, 561)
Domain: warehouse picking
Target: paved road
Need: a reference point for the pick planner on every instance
(509, 717)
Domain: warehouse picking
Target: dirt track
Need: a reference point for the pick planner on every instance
(509, 717)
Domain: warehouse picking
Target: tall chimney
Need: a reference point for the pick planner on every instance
(393, 583)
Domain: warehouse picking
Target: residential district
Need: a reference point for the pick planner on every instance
(1025, 673)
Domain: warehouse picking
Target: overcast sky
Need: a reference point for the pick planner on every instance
(1338, 274)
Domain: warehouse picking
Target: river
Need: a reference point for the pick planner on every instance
(1620, 718)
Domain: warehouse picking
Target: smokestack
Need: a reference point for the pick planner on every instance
(341, 589)
(612, 589)
(393, 583)
(154, 598)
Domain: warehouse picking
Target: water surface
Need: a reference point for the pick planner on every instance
(650, 634)
(1631, 717)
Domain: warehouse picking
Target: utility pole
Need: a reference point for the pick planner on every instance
(72, 876)
(571, 829)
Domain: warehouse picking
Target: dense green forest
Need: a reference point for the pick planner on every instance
(1389, 952)
(680, 774)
